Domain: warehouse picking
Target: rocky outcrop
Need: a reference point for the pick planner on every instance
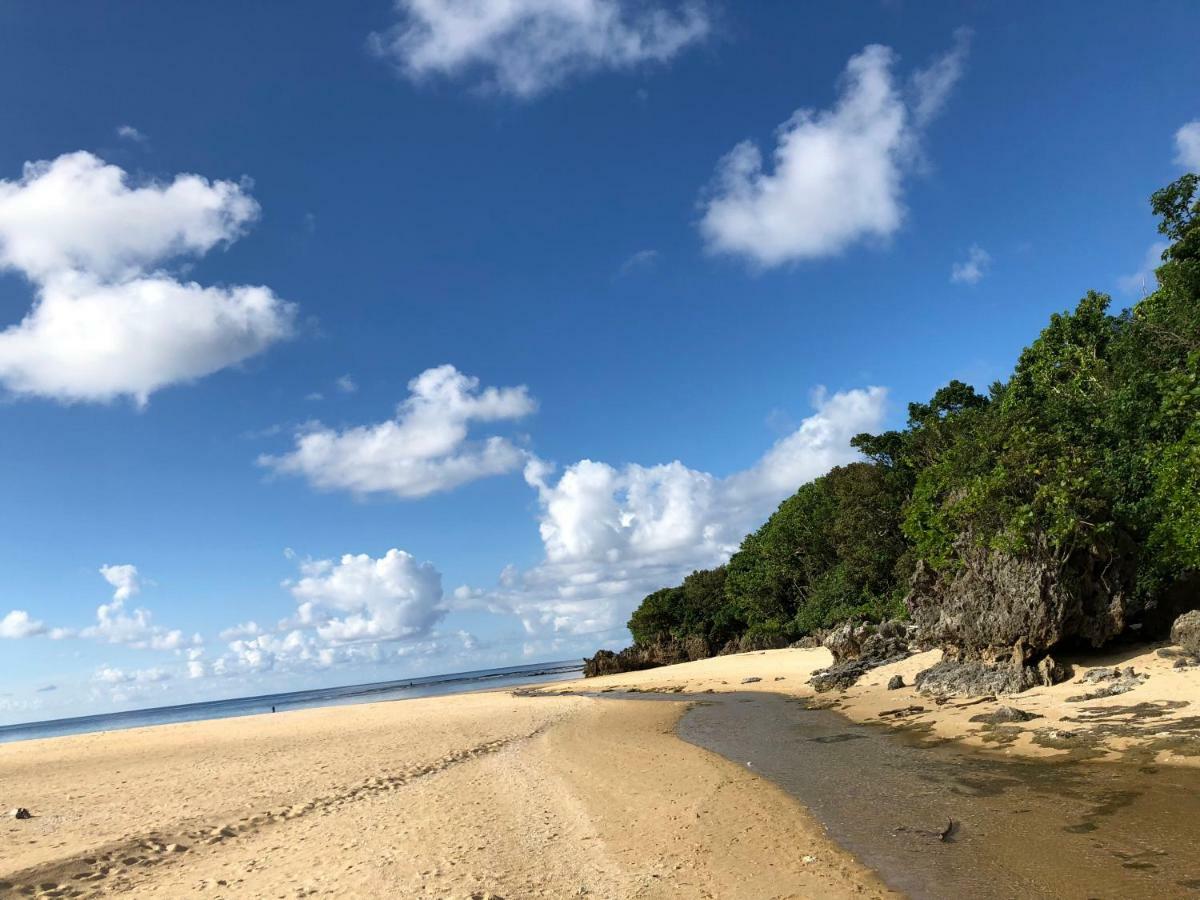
(975, 678)
(1000, 607)
(1186, 632)
(859, 647)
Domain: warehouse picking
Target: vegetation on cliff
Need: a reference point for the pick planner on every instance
(1061, 507)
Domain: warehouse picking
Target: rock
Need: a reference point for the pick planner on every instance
(808, 642)
(1004, 714)
(859, 647)
(1181, 663)
(1186, 632)
(21, 813)
(895, 682)
(973, 678)
(751, 679)
(1115, 681)
(999, 607)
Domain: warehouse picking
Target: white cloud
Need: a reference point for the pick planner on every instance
(1143, 281)
(359, 598)
(838, 175)
(124, 579)
(612, 535)
(116, 625)
(346, 384)
(972, 269)
(112, 675)
(423, 450)
(525, 47)
(107, 321)
(129, 133)
(242, 630)
(18, 624)
(1187, 146)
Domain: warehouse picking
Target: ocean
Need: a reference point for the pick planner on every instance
(403, 689)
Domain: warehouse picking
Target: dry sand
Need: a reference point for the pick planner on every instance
(1157, 722)
(475, 795)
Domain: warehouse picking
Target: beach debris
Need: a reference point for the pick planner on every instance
(1004, 714)
(1186, 632)
(751, 679)
(895, 683)
(1115, 681)
(806, 859)
(944, 834)
(21, 812)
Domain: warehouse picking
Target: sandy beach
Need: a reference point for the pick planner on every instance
(554, 793)
(475, 795)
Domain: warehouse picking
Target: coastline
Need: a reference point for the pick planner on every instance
(572, 789)
(481, 794)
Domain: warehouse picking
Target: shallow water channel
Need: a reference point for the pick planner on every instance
(1021, 828)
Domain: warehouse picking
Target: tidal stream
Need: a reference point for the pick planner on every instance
(939, 820)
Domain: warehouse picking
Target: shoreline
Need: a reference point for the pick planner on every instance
(545, 791)
(480, 794)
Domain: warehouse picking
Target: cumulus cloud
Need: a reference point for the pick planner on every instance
(1144, 281)
(242, 630)
(838, 174)
(19, 624)
(972, 269)
(135, 628)
(525, 47)
(358, 598)
(421, 451)
(1187, 146)
(107, 321)
(613, 534)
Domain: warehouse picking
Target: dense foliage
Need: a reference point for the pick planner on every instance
(1088, 457)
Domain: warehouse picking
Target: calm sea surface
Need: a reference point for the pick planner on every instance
(404, 689)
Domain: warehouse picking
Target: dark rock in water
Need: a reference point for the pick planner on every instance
(1005, 714)
(858, 648)
(1186, 632)
(21, 813)
(973, 678)
(751, 679)
(895, 683)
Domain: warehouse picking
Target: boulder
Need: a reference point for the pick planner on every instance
(895, 683)
(974, 678)
(1113, 681)
(21, 813)
(1186, 632)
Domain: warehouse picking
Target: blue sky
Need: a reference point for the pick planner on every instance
(553, 306)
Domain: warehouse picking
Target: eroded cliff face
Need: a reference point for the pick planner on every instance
(1002, 608)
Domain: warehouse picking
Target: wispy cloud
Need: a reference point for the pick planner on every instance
(972, 269)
